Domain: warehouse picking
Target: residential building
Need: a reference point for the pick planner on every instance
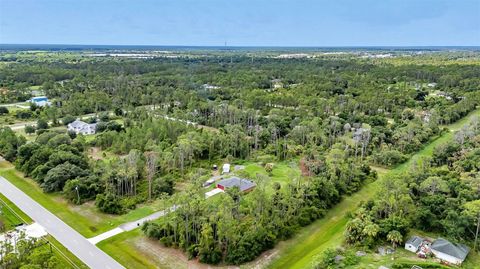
(80, 127)
(413, 244)
(244, 185)
(40, 101)
(449, 252)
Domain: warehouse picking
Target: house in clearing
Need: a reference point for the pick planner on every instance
(40, 101)
(244, 185)
(449, 252)
(413, 244)
(80, 127)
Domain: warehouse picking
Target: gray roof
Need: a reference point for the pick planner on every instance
(241, 183)
(415, 241)
(455, 250)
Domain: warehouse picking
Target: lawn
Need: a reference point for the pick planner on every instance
(10, 215)
(121, 248)
(85, 219)
(283, 172)
(300, 251)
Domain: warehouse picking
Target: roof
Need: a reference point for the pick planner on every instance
(458, 251)
(81, 124)
(39, 98)
(241, 183)
(415, 241)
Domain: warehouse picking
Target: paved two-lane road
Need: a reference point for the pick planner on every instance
(72, 240)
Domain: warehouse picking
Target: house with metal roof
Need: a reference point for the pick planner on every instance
(244, 185)
(413, 243)
(40, 101)
(449, 252)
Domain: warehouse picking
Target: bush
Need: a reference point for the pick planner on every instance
(389, 157)
(29, 129)
(68, 119)
(23, 114)
(3, 110)
(109, 203)
(42, 124)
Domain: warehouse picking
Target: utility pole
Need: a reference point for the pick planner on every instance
(78, 194)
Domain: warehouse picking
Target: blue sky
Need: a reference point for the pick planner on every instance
(241, 22)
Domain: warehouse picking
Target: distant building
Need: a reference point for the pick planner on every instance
(210, 87)
(413, 244)
(80, 127)
(432, 85)
(244, 185)
(449, 252)
(40, 101)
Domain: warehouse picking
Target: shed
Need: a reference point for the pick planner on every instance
(449, 252)
(244, 185)
(226, 168)
(413, 243)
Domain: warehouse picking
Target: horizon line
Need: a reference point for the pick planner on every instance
(242, 46)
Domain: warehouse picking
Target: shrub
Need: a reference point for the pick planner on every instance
(3, 110)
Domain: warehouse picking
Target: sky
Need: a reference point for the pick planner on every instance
(242, 22)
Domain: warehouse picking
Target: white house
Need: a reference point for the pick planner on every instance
(226, 168)
(449, 252)
(80, 127)
(413, 244)
(40, 101)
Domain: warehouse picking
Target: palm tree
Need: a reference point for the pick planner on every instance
(395, 237)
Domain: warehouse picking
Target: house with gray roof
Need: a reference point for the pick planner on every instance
(413, 243)
(244, 185)
(81, 127)
(449, 252)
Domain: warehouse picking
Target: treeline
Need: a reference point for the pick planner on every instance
(440, 194)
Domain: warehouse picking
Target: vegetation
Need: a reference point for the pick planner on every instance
(163, 122)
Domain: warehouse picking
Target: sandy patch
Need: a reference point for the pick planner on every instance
(169, 257)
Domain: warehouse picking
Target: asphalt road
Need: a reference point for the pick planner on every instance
(68, 237)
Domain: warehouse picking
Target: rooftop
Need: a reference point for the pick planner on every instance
(241, 183)
(455, 250)
(415, 241)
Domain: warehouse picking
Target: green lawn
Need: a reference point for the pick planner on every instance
(10, 215)
(300, 251)
(120, 248)
(86, 219)
(283, 172)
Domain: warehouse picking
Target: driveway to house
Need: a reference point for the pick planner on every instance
(87, 252)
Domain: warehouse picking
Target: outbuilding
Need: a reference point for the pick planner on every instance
(226, 168)
(449, 252)
(413, 244)
(244, 185)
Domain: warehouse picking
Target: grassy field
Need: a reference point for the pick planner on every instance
(14, 216)
(327, 232)
(283, 172)
(86, 219)
(120, 248)
(10, 214)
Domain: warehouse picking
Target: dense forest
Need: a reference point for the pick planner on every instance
(440, 194)
(164, 122)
